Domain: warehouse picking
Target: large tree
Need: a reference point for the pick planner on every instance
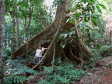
(2, 15)
(70, 48)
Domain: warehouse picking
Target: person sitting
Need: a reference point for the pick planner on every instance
(38, 54)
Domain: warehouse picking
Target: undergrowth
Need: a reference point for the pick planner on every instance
(15, 71)
(62, 74)
(101, 51)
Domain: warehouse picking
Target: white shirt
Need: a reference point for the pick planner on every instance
(39, 52)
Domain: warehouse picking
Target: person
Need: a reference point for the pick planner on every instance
(38, 54)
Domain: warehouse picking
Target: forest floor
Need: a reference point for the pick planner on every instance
(101, 73)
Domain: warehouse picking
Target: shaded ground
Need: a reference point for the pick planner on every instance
(100, 74)
(36, 79)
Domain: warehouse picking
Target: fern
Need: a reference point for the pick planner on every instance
(16, 79)
(14, 71)
(100, 52)
(104, 48)
(16, 75)
(21, 70)
(26, 69)
(64, 73)
(44, 82)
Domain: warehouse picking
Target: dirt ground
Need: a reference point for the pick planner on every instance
(101, 73)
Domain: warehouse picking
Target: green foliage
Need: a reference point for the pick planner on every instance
(87, 33)
(96, 55)
(100, 51)
(64, 73)
(86, 10)
(104, 48)
(24, 9)
(15, 70)
(16, 79)
(57, 61)
(91, 23)
(103, 6)
(66, 37)
(7, 53)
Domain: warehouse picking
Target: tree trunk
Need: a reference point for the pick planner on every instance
(27, 33)
(110, 35)
(13, 33)
(2, 26)
(18, 40)
(71, 51)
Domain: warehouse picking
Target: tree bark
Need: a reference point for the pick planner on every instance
(18, 40)
(110, 35)
(2, 26)
(13, 33)
(27, 33)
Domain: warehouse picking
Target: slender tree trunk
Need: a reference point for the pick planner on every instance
(18, 40)
(45, 22)
(50, 18)
(17, 21)
(22, 38)
(110, 35)
(53, 58)
(13, 33)
(2, 20)
(27, 33)
(30, 17)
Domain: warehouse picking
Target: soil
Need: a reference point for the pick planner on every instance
(100, 73)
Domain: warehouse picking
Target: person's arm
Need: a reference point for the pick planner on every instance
(45, 48)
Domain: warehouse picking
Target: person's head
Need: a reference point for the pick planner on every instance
(40, 47)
